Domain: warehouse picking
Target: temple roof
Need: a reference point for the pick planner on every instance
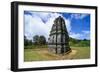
(58, 26)
(59, 18)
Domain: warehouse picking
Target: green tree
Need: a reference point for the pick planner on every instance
(36, 39)
(42, 40)
(25, 41)
(29, 42)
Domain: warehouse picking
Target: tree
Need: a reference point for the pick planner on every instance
(29, 42)
(42, 40)
(36, 39)
(25, 41)
(39, 40)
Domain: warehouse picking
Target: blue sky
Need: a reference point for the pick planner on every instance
(40, 23)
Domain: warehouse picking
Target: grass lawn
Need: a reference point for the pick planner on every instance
(42, 54)
(82, 52)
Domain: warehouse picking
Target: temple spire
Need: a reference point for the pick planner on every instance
(59, 38)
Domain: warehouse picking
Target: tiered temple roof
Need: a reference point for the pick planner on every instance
(58, 41)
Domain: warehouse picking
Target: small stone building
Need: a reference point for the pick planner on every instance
(58, 41)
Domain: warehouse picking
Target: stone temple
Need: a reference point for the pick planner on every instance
(58, 41)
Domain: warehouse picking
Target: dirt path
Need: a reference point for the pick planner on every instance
(46, 54)
(71, 54)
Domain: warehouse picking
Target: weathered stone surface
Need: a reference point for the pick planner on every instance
(58, 41)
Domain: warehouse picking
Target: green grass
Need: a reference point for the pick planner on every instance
(35, 46)
(82, 52)
(42, 54)
(31, 55)
(37, 55)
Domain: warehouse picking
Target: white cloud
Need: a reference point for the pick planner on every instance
(75, 35)
(68, 24)
(40, 23)
(34, 26)
(86, 32)
(43, 15)
(78, 16)
(82, 35)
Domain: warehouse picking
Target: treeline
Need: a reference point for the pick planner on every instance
(80, 43)
(37, 41)
(40, 41)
